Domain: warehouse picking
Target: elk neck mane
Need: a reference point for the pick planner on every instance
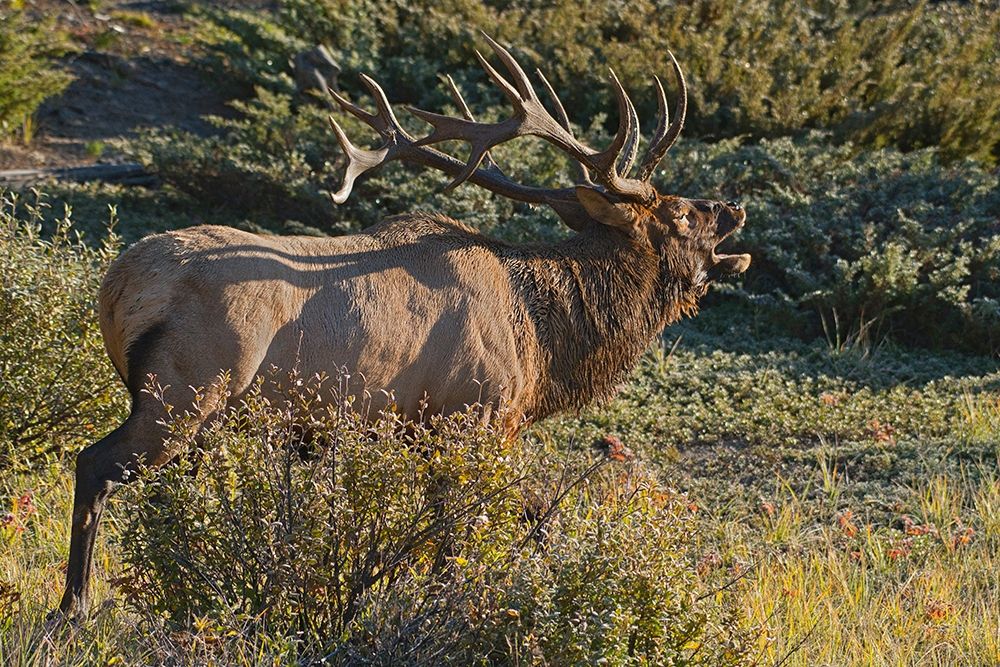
(594, 301)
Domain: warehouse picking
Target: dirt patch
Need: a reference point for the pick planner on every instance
(113, 97)
(134, 68)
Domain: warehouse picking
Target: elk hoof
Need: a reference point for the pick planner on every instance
(57, 621)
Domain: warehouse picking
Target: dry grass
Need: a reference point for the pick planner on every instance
(842, 593)
(857, 594)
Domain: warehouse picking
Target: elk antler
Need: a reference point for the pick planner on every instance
(665, 135)
(532, 118)
(399, 145)
(608, 168)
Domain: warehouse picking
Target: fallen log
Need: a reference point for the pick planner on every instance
(122, 174)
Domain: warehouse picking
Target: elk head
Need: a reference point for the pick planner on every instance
(684, 232)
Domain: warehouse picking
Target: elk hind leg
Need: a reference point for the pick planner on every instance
(99, 469)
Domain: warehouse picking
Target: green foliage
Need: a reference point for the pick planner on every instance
(249, 47)
(140, 211)
(57, 388)
(267, 163)
(613, 585)
(378, 544)
(882, 243)
(735, 405)
(27, 74)
(898, 73)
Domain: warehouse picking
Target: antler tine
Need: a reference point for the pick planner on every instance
(520, 78)
(628, 129)
(560, 110)
(359, 160)
(632, 147)
(476, 158)
(351, 107)
(665, 136)
(621, 152)
(501, 82)
(456, 96)
(385, 117)
(662, 121)
(677, 124)
(563, 120)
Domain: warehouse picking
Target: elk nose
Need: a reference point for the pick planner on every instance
(735, 205)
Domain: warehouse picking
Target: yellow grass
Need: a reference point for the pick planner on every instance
(823, 595)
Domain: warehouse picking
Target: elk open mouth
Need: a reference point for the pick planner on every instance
(730, 265)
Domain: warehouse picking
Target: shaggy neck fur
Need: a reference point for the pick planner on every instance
(594, 303)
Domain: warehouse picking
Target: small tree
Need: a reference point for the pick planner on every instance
(28, 47)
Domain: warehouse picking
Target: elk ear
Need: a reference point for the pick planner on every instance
(605, 211)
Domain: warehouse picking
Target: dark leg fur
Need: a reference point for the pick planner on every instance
(96, 475)
(99, 469)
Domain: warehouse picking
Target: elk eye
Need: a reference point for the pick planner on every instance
(683, 223)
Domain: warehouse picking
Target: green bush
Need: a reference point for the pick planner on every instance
(898, 73)
(57, 387)
(614, 585)
(27, 74)
(877, 244)
(268, 163)
(372, 543)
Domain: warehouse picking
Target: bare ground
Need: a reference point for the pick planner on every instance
(134, 67)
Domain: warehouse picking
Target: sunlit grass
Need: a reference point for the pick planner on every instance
(843, 592)
(33, 561)
(858, 594)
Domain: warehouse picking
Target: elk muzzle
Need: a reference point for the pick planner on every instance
(731, 218)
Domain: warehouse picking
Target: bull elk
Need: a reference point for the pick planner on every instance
(418, 304)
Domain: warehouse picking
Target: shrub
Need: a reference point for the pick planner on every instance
(885, 243)
(268, 164)
(613, 585)
(898, 73)
(27, 74)
(409, 544)
(57, 388)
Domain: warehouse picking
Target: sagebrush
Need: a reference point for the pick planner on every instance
(876, 73)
